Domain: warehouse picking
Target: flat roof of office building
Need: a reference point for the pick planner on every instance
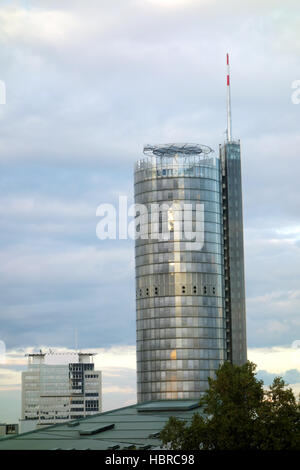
(136, 426)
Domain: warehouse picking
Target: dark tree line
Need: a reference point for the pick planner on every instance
(239, 414)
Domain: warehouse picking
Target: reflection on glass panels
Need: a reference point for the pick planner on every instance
(180, 303)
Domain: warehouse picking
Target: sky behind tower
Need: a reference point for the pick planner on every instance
(87, 85)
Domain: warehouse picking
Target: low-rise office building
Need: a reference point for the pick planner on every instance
(59, 387)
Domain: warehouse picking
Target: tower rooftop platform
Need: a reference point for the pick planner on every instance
(179, 149)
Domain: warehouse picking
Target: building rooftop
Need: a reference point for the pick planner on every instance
(178, 149)
(135, 426)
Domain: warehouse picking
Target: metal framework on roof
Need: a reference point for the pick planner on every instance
(63, 353)
(181, 149)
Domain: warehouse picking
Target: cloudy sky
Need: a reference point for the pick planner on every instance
(88, 83)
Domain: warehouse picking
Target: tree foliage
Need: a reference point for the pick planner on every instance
(238, 413)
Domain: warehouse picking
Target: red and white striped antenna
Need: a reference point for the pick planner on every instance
(229, 126)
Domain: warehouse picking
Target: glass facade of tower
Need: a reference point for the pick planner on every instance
(230, 154)
(180, 288)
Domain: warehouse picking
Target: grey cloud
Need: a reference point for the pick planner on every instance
(83, 96)
(291, 376)
(110, 86)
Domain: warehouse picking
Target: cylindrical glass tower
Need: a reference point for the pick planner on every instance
(180, 303)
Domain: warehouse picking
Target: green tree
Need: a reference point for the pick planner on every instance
(173, 433)
(278, 426)
(237, 413)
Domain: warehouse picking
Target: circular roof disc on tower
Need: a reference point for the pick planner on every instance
(170, 150)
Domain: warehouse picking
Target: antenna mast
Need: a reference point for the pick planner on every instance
(229, 136)
(76, 340)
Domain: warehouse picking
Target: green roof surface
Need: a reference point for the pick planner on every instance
(135, 425)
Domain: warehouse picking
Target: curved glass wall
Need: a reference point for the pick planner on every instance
(181, 327)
